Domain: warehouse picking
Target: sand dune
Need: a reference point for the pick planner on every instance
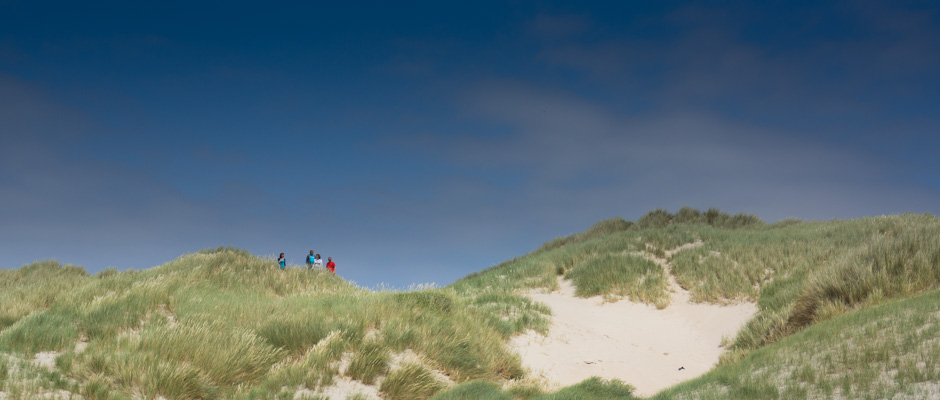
(648, 348)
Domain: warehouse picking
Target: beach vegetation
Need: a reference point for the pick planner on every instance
(846, 308)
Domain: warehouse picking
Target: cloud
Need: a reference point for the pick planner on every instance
(576, 118)
(581, 160)
(747, 60)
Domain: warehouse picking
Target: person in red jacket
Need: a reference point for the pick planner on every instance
(330, 265)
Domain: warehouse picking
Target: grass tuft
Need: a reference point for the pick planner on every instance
(411, 382)
(594, 389)
(49, 330)
(294, 334)
(227, 355)
(473, 391)
(626, 275)
(369, 362)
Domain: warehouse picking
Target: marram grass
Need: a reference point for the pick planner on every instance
(222, 323)
(226, 324)
(885, 351)
(410, 382)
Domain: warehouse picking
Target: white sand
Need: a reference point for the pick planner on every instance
(46, 359)
(633, 342)
(341, 389)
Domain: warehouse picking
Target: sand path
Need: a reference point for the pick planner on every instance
(648, 348)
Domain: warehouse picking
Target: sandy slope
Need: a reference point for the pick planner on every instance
(633, 342)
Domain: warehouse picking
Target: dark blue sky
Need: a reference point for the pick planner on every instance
(420, 142)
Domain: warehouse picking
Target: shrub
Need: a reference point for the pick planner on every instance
(657, 218)
(660, 218)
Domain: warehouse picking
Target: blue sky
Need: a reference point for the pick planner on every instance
(419, 142)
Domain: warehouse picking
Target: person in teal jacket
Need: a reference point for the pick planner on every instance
(310, 259)
(282, 261)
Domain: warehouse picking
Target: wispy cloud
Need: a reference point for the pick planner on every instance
(422, 147)
(579, 155)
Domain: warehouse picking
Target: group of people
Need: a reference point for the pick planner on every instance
(313, 261)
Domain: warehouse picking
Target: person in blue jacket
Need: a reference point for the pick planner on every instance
(310, 260)
(281, 261)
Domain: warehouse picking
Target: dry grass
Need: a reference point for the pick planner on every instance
(224, 323)
(885, 351)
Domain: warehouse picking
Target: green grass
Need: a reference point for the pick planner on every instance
(600, 229)
(41, 331)
(35, 287)
(222, 323)
(593, 389)
(410, 382)
(885, 351)
(473, 391)
(799, 273)
(627, 275)
(369, 362)
(22, 379)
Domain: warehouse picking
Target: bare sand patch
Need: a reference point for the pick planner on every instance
(46, 359)
(341, 389)
(648, 348)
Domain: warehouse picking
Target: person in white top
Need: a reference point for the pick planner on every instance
(318, 263)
